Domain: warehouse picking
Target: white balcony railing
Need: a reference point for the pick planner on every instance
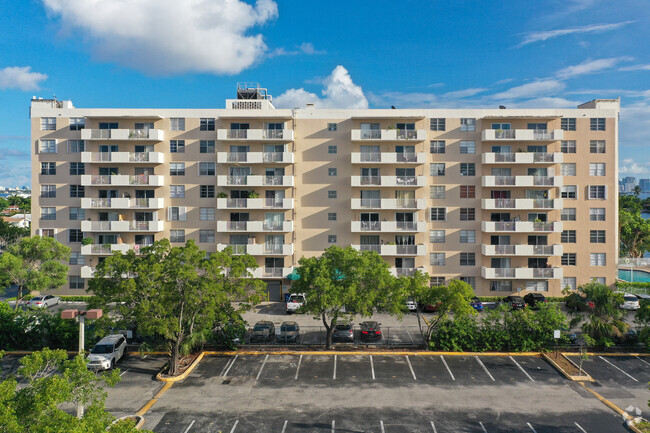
(389, 134)
(255, 157)
(254, 226)
(522, 158)
(406, 272)
(388, 226)
(106, 249)
(255, 203)
(521, 227)
(259, 249)
(522, 134)
(264, 272)
(388, 158)
(522, 273)
(122, 203)
(254, 180)
(394, 250)
(524, 181)
(123, 134)
(122, 226)
(388, 203)
(520, 203)
(123, 157)
(389, 181)
(122, 180)
(521, 250)
(255, 134)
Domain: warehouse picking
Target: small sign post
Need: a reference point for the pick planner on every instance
(556, 336)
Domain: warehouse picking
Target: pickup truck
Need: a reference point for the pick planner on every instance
(295, 301)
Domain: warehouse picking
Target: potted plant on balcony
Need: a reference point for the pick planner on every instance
(222, 195)
(253, 194)
(87, 241)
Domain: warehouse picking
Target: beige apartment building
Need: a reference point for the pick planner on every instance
(509, 200)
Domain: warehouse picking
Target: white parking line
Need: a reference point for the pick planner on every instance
(531, 427)
(124, 372)
(482, 426)
(409, 334)
(625, 373)
(333, 426)
(298, 369)
(642, 360)
(234, 426)
(225, 366)
(372, 368)
(381, 424)
(284, 427)
(261, 368)
(411, 367)
(521, 368)
(433, 426)
(189, 426)
(229, 367)
(581, 429)
(445, 362)
(334, 374)
(484, 368)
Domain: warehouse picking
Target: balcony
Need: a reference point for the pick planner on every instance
(123, 157)
(394, 250)
(264, 272)
(259, 249)
(122, 203)
(521, 250)
(522, 158)
(255, 134)
(255, 203)
(522, 135)
(89, 272)
(122, 226)
(522, 273)
(254, 226)
(388, 158)
(254, 180)
(122, 180)
(523, 181)
(388, 226)
(388, 203)
(104, 250)
(404, 272)
(389, 181)
(389, 135)
(123, 134)
(521, 227)
(520, 203)
(255, 157)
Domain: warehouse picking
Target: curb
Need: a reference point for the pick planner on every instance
(631, 424)
(183, 375)
(366, 352)
(608, 403)
(578, 379)
(153, 401)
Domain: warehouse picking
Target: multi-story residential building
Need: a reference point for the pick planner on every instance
(506, 199)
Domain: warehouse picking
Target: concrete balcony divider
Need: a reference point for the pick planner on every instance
(388, 203)
(123, 157)
(389, 181)
(524, 181)
(389, 135)
(394, 250)
(521, 250)
(122, 203)
(259, 249)
(254, 180)
(522, 273)
(255, 157)
(254, 226)
(255, 134)
(123, 134)
(388, 158)
(521, 227)
(255, 203)
(122, 180)
(388, 226)
(522, 135)
(522, 158)
(520, 203)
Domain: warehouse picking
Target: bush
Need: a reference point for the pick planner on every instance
(629, 284)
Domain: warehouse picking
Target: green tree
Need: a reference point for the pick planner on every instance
(642, 319)
(637, 190)
(10, 234)
(634, 233)
(630, 203)
(343, 282)
(605, 321)
(176, 294)
(34, 264)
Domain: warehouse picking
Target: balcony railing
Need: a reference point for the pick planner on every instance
(370, 225)
(370, 180)
(521, 203)
(255, 134)
(255, 203)
(370, 157)
(388, 134)
(373, 134)
(375, 248)
(521, 250)
(122, 134)
(522, 158)
(406, 272)
(520, 226)
(522, 134)
(388, 203)
(522, 273)
(406, 134)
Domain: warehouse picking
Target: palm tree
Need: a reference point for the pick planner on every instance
(637, 190)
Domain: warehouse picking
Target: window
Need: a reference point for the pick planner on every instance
(48, 191)
(467, 236)
(177, 123)
(207, 191)
(48, 146)
(48, 168)
(177, 169)
(467, 169)
(568, 259)
(177, 236)
(331, 239)
(568, 146)
(568, 191)
(48, 123)
(597, 146)
(331, 126)
(176, 146)
(77, 214)
(568, 124)
(177, 213)
(501, 286)
(467, 259)
(77, 259)
(331, 194)
(176, 191)
(436, 281)
(469, 280)
(437, 259)
(597, 214)
(568, 169)
(206, 214)
(76, 282)
(537, 286)
(568, 214)
(437, 169)
(77, 191)
(467, 214)
(597, 124)
(76, 146)
(538, 126)
(599, 280)
(77, 168)
(597, 236)
(206, 236)
(467, 147)
(437, 236)
(207, 168)
(437, 146)
(108, 125)
(597, 192)
(569, 283)
(48, 213)
(206, 124)
(437, 191)
(597, 259)
(332, 149)
(47, 233)
(597, 169)
(331, 172)
(438, 213)
(77, 123)
(75, 235)
(206, 146)
(331, 216)
(568, 237)
(467, 191)
(468, 124)
(437, 124)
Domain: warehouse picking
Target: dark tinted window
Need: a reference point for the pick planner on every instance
(290, 328)
(102, 348)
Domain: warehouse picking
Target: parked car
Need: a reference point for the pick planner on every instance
(430, 308)
(263, 332)
(295, 301)
(289, 333)
(43, 301)
(515, 302)
(630, 302)
(411, 305)
(535, 299)
(476, 304)
(370, 331)
(105, 354)
(343, 333)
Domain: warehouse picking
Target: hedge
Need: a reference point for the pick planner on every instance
(639, 285)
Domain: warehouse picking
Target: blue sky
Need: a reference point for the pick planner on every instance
(191, 53)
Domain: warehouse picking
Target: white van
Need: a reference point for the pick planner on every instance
(107, 352)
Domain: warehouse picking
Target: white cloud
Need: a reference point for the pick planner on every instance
(530, 90)
(304, 48)
(339, 92)
(635, 68)
(629, 166)
(464, 93)
(590, 67)
(550, 34)
(546, 102)
(161, 37)
(22, 78)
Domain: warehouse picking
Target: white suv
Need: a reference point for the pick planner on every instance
(107, 352)
(630, 302)
(295, 301)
